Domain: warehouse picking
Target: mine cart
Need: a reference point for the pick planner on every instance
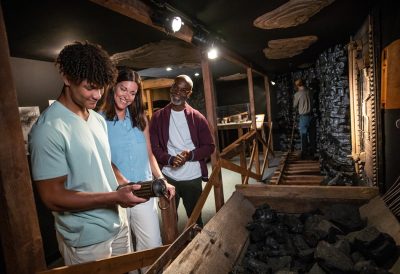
(222, 242)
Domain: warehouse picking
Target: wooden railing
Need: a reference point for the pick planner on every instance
(238, 147)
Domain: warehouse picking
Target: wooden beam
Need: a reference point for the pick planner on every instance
(173, 250)
(268, 106)
(139, 11)
(117, 264)
(250, 165)
(213, 181)
(21, 241)
(149, 101)
(231, 166)
(209, 97)
(169, 220)
(157, 83)
(253, 115)
(300, 199)
(218, 246)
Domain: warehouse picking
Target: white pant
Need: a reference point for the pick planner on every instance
(118, 245)
(143, 220)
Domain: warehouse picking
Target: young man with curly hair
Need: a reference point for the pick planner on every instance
(71, 161)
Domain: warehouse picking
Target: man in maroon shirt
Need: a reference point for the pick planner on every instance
(181, 141)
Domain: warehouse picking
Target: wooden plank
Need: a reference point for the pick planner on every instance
(268, 103)
(299, 199)
(149, 103)
(303, 177)
(139, 11)
(209, 97)
(231, 166)
(173, 250)
(304, 183)
(157, 83)
(303, 172)
(253, 115)
(169, 220)
(218, 246)
(117, 264)
(250, 165)
(213, 180)
(21, 241)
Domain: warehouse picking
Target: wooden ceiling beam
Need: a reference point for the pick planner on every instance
(141, 12)
(157, 83)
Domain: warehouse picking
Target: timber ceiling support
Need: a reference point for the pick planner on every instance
(139, 11)
(20, 233)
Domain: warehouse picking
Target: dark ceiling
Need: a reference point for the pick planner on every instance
(39, 29)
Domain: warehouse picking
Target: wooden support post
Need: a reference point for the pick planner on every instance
(169, 220)
(212, 121)
(213, 181)
(21, 241)
(242, 154)
(268, 102)
(253, 115)
(149, 103)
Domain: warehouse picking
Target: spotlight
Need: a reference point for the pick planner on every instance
(273, 83)
(168, 20)
(168, 69)
(212, 53)
(196, 74)
(176, 23)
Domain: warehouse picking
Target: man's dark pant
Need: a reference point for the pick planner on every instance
(304, 125)
(190, 192)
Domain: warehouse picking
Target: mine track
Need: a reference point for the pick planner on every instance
(294, 171)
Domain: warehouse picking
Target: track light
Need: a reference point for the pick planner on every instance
(212, 53)
(168, 20)
(176, 23)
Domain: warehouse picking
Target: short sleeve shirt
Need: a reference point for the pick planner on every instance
(62, 143)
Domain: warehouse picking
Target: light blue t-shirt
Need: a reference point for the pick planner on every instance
(129, 150)
(62, 143)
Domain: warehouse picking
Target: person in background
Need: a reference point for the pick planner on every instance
(302, 104)
(128, 134)
(71, 161)
(181, 141)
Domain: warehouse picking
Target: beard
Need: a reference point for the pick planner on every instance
(177, 101)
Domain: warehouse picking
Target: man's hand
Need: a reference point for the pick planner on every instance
(126, 198)
(180, 159)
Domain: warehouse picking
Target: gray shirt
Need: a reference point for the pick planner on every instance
(302, 101)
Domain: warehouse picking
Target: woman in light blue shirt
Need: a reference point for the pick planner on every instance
(128, 134)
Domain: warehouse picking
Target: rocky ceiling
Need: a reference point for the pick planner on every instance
(274, 36)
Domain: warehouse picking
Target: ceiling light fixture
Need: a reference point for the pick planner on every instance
(168, 69)
(212, 53)
(176, 23)
(273, 83)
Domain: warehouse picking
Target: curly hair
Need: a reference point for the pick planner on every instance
(136, 109)
(86, 61)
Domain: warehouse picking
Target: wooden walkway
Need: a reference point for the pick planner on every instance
(294, 171)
